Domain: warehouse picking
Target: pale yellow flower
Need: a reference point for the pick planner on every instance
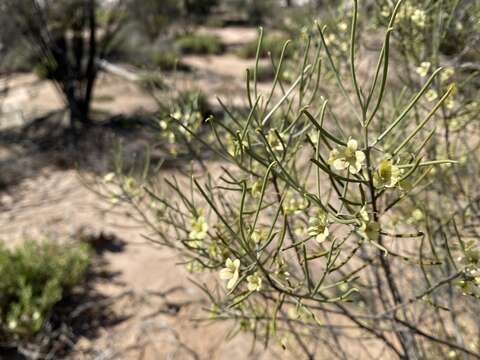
(198, 229)
(387, 174)
(318, 227)
(330, 39)
(109, 177)
(450, 103)
(274, 141)
(294, 203)
(370, 230)
(418, 215)
(447, 74)
(259, 235)
(230, 272)
(423, 69)
(254, 282)
(431, 95)
(343, 26)
(418, 17)
(385, 11)
(349, 157)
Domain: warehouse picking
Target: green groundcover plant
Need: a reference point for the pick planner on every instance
(333, 225)
(34, 277)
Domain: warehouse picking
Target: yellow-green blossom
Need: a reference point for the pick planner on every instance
(256, 188)
(109, 177)
(418, 17)
(349, 157)
(450, 103)
(431, 95)
(330, 39)
(230, 272)
(370, 230)
(364, 214)
(387, 174)
(423, 69)
(318, 227)
(198, 228)
(294, 204)
(342, 26)
(385, 12)
(254, 282)
(447, 74)
(274, 141)
(418, 215)
(259, 235)
(194, 267)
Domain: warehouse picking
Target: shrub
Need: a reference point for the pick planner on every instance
(35, 277)
(46, 69)
(199, 44)
(152, 81)
(168, 61)
(270, 44)
(337, 213)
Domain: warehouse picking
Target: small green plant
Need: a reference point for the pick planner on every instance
(46, 69)
(168, 61)
(34, 277)
(199, 44)
(270, 44)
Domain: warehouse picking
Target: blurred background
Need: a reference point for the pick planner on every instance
(81, 81)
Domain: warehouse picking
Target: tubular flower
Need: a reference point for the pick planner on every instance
(230, 272)
(387, 175)
(318, 227)
(347, 158)
(254, 282)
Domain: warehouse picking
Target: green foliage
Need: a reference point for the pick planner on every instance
(152, 80)
(46, 69)
(215, 22)
(168, 61)
(270, 44)
(199, 44)
(34, 277)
